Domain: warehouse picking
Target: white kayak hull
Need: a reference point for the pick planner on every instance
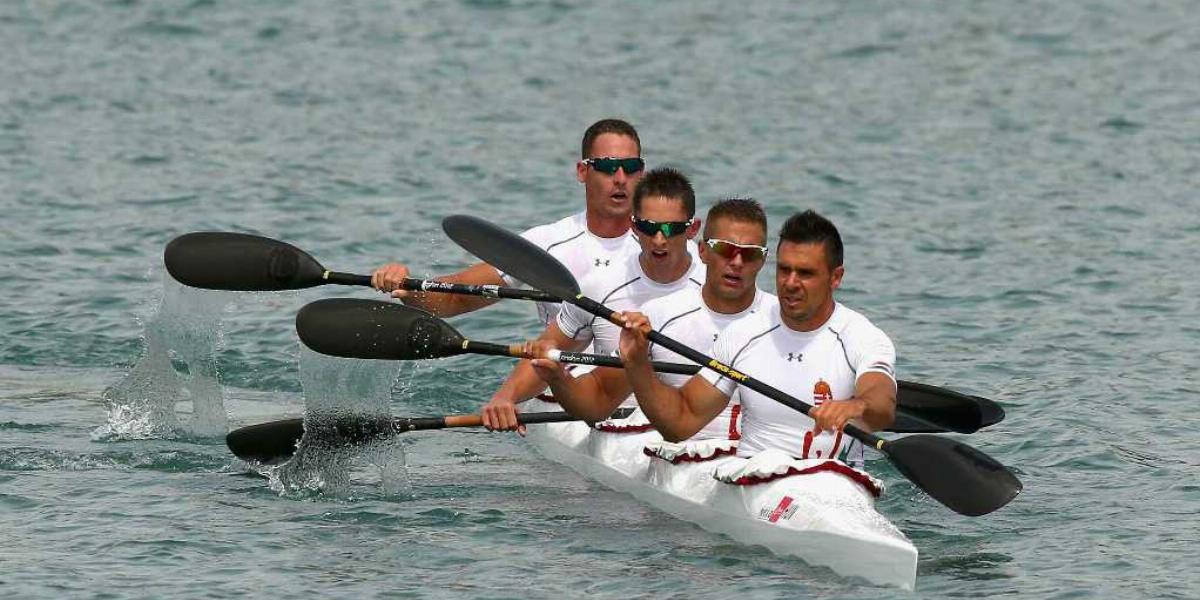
(823, 518)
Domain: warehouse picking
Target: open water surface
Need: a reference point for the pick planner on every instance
(1017, 183)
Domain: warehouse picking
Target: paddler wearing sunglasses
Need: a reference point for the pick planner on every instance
(733, 250)
(807, 345)
(664, 211)
(596, 239)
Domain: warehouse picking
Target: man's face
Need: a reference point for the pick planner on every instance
(733, 278)
(805, 284)
(658, 248)
(609, 195)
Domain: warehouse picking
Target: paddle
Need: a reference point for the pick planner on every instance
(355, 328)
(242, 262)
(955, 474)
(276, 441)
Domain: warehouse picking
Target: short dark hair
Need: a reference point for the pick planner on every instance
(602, 127)
(667, 183)
(810, 228)
(738, 209)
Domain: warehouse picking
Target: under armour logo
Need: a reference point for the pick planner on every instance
(601, 262)
(798, 357)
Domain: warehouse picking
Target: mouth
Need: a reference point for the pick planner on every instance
(731, 280)
(619, 196)
(659, 253)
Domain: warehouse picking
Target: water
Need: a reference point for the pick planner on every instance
(1016, 184)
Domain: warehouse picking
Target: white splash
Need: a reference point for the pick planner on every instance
(183, 330)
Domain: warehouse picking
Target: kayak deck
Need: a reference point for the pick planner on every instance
(824, 518)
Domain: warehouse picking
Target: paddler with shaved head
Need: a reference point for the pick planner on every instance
(596, 239)
(733, 250)
(664, 211)
(808, 345)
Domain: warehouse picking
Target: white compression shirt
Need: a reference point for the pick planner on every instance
(814, 366)
(684, 317)
(621, 289)
(581, 251)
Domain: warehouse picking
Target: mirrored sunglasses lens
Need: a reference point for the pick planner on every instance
(605, 165)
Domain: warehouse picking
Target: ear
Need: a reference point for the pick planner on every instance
(581, 171)
(694, 228)
(705, 252)
(836, 278)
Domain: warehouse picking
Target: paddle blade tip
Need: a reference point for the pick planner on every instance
(959, 476)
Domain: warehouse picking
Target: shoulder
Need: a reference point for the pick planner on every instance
(753, 325)
(599, 282)
(672, 305)
(853, 327)
(558, 232)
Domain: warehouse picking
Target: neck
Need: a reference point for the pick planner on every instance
(811, 323)
(725, 306)
(607, 226)
(665, 273)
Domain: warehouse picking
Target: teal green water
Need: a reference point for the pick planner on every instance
(1017, 184)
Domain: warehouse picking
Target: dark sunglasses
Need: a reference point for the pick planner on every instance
(609, 165)
(728, 250)
(669, 229)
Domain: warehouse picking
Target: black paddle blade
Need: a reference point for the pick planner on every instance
(966, 480)
(267, 442)
(275, 442)
(512, 254)
(354, 328)
(990, 412)
(240, 262)
(949, 409)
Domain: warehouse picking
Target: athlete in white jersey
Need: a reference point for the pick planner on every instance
(733, 251)
(809, 347)
(664, 208)
(815, 366)
(597, 238)
(626, 288)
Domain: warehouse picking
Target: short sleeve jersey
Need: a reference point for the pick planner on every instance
(815, 366)
(626, 288)
(685, 317)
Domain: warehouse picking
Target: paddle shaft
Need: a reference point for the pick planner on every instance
(443, 287)
(574, 358)
(476, 420)
(276, 440)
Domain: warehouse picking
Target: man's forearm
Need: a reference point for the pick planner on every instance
(449, 305)
(664, 405)
(582, 396)
(522, 384)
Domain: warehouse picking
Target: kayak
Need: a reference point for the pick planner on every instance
(821, 511)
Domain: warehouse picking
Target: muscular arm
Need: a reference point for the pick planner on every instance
(524, 383)
(676, 413)
(448, 305)
(873, 406)
(878, 391)
(592, 396)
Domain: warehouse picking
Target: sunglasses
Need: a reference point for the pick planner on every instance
(609, 165)
(669, 229)
(729, 250)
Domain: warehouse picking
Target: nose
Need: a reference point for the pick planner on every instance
(620, 175)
